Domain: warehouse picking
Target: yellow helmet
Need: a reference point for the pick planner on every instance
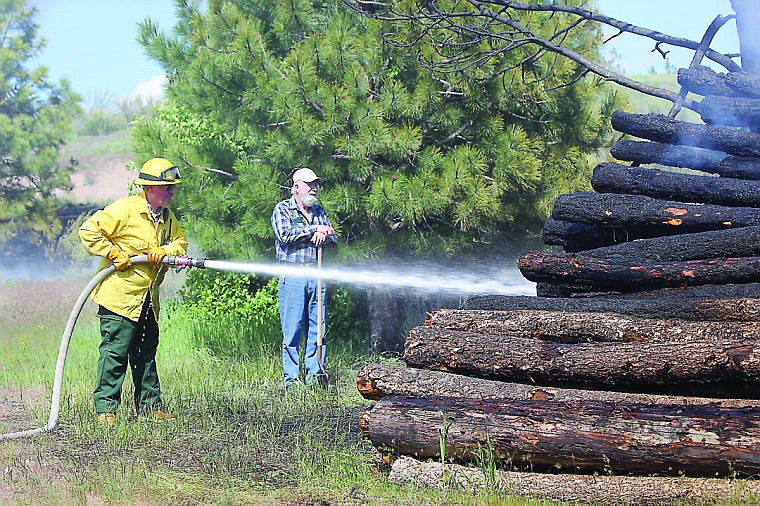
(158, 171)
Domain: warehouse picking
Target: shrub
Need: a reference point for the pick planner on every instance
(238, 314)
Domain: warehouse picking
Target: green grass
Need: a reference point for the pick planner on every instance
(239, 438)
(116, 143)
(642, 104)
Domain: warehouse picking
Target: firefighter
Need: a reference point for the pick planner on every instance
(128, 299)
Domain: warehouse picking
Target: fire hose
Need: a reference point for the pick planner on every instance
(172, 260)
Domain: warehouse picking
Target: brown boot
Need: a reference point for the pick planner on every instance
(106, 418)
(160, 416)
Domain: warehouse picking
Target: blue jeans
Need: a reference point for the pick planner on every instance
(298, 316)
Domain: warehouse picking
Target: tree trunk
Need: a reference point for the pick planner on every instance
(580, 436)
(642, 152)
(697, 303)
(710, 368)
(376, 381)
(586, 327)
(392, 312)
(650, 216)
(386, 334)
(602, 488)
(705, 81)
(661, 184)
(636, 276)
(660, 128)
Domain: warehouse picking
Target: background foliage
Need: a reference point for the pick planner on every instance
(35, 121)
(412, 163)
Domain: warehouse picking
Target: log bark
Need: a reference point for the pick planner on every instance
(587, 327)
(643, 152)
(668, 185)
(712, 368)
(636, 276)
(660, 128)
(705, 81)
(579, 489)
(730, 111)
(376, 381)
(652, 216)
(697, 303)
(581, 436)
(733, 242)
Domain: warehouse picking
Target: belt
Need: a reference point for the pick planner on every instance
(301, 264)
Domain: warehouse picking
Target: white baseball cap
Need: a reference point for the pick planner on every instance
(306, 175)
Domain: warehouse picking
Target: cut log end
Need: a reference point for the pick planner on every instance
(368, 388)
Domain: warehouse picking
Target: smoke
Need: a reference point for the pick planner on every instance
(40, 268)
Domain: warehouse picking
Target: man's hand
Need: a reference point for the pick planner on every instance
(155, 255)
(120, 259)
(318, 238)
(325, 229)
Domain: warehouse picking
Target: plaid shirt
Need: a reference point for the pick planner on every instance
(293, 231)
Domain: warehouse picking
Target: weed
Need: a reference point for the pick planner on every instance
(238, 437)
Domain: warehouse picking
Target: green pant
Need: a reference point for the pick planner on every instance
(126, 341)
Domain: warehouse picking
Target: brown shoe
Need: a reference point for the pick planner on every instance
(161, 416)
(106, 419)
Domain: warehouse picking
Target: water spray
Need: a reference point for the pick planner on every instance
(433, 282)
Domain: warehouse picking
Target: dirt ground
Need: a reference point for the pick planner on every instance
(100, 179)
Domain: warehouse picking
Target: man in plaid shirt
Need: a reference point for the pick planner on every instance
(300, 228)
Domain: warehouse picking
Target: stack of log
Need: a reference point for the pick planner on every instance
(640, 353)
(648, 228)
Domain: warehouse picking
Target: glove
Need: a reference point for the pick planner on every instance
(119, 258)
(155, 255)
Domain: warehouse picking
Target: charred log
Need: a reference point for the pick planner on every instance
(578, 488)
(376, 381)
(653, 217)
(739, 168)
(732, 242)
(708, 368)
(705, 81)
(573, 236)
(705, 160)
(636, 276)
(557, 289)
(586, 327)
(730, 111)
(698, 303)
(662, 184)
(643, 152)
(661, 128)
(581, 436)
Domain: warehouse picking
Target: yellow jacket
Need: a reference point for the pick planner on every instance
(127, 224)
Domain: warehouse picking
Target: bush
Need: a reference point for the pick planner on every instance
(238, 314)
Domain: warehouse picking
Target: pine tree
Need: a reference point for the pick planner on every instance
(411, 162)
(35, 121)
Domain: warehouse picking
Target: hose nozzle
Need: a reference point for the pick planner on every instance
(184, 261)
